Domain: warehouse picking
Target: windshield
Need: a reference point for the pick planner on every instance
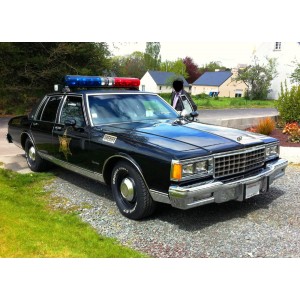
(119, 108)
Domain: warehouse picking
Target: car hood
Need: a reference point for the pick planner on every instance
(189, 136)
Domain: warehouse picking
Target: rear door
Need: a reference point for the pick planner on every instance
(42, 125)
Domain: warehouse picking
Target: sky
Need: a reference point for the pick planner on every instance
(230, 54)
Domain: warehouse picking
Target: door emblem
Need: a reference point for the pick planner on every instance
(64, 143)
(239, 138)
(109, 138)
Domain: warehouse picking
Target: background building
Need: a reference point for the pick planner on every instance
(160, 82)
(219, 83)
(285, 53)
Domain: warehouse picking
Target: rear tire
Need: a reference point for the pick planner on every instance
(130, 192)
(34, 161)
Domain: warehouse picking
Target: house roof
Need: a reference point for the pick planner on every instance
(162, 78)
(213, 78)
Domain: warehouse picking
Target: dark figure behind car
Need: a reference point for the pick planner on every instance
(176, 101)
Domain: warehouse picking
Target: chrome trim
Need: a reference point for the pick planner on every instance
(90, 174)
(211, 172)
(160, 197)
(127, 189)
(274, 155)
(239, 162)
(216, 191)
(31, 153)
(39, 106)
(240, 151)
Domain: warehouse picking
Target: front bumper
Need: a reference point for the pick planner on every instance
(196, 195)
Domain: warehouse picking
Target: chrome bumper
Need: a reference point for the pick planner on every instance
(218, 192)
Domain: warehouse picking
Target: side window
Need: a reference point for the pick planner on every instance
(50, 110)
(72, 109)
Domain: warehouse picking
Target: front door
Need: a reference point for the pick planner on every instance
(71, 133)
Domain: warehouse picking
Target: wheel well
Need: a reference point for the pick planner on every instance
(107, 173)
(24, 137)
(108, 168)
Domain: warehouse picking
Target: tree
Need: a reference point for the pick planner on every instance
(135, 65)
(192, 69)
(211, 67)
(258, 77)
(177, 67)
(295, 76)
(29, 70)
(152, 56)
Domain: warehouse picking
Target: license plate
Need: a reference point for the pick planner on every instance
(252, 189)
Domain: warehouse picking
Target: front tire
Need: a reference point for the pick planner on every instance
(130, 192)
(34, 161)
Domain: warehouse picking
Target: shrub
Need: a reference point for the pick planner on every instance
(293, 130)
(288, 104)
(201, 96)
(266, 126)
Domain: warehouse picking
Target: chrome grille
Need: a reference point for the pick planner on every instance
(239, 162)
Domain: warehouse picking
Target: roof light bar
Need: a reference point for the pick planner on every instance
(80, 81)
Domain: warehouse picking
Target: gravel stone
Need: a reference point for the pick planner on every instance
(263, 226)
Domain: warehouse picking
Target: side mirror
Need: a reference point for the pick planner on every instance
(194, 114)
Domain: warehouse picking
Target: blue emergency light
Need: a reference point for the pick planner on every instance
(80, 81)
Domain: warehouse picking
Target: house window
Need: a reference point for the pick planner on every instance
(143, 88)
(277, 46)
(238, 93)
(160, 87)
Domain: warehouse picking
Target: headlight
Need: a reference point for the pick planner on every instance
(272, 151)
(182, 170)
(187, 169)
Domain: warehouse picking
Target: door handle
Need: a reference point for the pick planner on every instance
(57, 128)
(35, 123)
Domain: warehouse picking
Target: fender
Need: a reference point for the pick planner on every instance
(108, 166)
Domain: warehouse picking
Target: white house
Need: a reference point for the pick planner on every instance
(219, 83)
(285, 53)
(160, 82)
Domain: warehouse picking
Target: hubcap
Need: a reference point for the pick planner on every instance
(31, 153)
(127, 189)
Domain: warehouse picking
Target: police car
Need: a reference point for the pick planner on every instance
(135, 142)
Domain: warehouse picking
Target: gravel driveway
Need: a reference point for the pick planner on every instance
(263, 226)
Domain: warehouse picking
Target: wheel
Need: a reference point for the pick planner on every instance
(130, 192)
(34, 161)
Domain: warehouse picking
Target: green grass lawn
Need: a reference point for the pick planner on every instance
(29, 227)
(225, 103)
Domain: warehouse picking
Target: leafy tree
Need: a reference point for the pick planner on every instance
(135, 65)
(152, 55)
(117, 66)
(211, 67)
(177, 67)
(258, 77)
(132, 65)
(29, 70)
(295, 76)
(192, 69)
